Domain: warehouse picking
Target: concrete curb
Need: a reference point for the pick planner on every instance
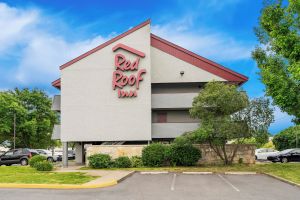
(125, 177)
(58, 186)
(282, 179)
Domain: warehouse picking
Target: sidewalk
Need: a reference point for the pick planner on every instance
(105, 176)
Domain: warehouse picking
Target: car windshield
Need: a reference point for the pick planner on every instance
(286, 151)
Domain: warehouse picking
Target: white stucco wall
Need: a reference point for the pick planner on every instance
(166, 69)
(91, 109)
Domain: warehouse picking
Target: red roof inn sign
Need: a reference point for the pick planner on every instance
(123, 66)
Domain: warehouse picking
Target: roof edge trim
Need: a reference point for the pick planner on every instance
(105, 44)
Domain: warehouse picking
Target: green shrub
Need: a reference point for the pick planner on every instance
(43, 166)
(154, 155)
(181, 154)
(100, 161)
(136, 161)
(122, 162)
(286, 139)
(35, 159)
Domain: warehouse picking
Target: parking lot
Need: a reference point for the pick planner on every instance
(172, 186)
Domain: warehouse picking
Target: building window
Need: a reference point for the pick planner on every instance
(162, 117)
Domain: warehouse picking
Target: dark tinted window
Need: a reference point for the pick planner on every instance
(18, 152)
(25, 151)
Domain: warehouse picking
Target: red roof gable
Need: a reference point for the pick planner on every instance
(173, 50)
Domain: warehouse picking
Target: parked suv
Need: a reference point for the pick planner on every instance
(48, 155)
(17, 156)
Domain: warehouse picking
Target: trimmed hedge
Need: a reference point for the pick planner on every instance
(35, 159)
(154, 155)
(183, 154)
(98, 161)
(136, 161)
(43, 166)
(122, 162)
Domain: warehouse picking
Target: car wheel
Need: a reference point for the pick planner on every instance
(284, 160)
(273, 161)
(50, 159)
(24, 162)
(8, 164)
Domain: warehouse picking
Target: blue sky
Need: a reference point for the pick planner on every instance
(38, 36)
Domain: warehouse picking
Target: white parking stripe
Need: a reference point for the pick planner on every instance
(226, 181)
(173, 183)
(155, 172)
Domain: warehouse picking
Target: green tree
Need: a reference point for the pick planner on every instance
(288, 138)
(226, 114)
(278, 56)
(34, 118)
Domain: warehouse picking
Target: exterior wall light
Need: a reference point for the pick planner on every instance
(181, 73)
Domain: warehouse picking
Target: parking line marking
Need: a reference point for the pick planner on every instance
(173, 183)
(195, 173)
(226, 181)
(155, 172)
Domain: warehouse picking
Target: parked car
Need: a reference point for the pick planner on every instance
(71, 155)
(263, 153)
(288, 155)
(17, 156)
(48, 155)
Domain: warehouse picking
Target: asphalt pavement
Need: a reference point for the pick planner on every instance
(171, 186)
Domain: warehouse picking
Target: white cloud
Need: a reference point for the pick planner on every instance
(15, 25)
(210, 44)
(39, 51)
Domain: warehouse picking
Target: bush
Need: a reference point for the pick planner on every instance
(100, 161)
(35, 159)
(286, 139)
(43, 166)
(122, 162)
(136, 161)
(154, 155)
(181, 154)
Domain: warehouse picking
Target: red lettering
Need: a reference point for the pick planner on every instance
(131, 80)
(117, 75)
(127, 65)
(119, 61)
(139, 77)
(131, 93)
(135, 64)
(124, 80)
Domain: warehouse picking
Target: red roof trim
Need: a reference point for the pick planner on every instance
(196, 60)
(105, 44)
(130, 49)
(56, 83)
